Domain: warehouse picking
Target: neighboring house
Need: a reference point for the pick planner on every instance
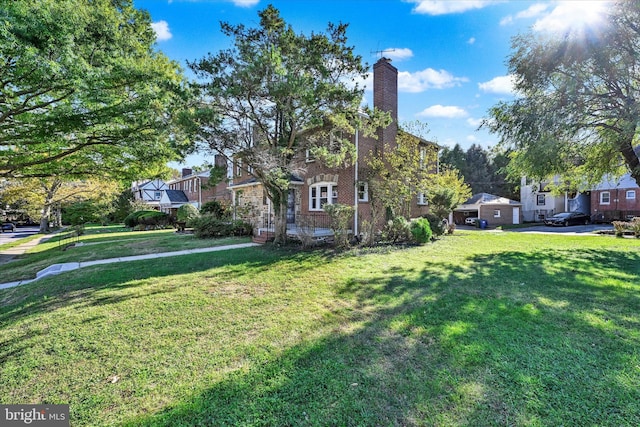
(149, 192)
(495, 210)
(615, 199)
(322, 185)
(195, 189)
(539, 203)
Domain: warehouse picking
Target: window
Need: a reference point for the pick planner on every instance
(631, 194)
(605, 198)
(422, 199)
(309, 157)
(363, 192)
(321, 194)
(157, 195)
(496, 213)
(423, 157)
(540, 200)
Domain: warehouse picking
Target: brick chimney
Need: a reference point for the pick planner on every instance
(186, 172)
(385, 97)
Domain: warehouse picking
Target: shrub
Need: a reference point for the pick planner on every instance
(340, 216)
(153, 219)
(421, 230)
(132, 219)
(438, 226)
(186, 213)
(208, 226)
(217, 209)
(397, 230)
(620, 227)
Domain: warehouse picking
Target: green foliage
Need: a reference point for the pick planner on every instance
(153, 220)
(445, 191)
(340, 218)
(209, 226)
(421, 230)
(405, 170)
(83, 212)
(397, 230)
(437, 226)
(578, 109)
(133, 218)
(84, 93)
(187, 212)
(216, 208)
(277, 93)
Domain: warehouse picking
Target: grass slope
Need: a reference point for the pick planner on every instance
(474, 329)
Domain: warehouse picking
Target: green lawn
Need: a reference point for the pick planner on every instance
(100, 243)
(476, 329)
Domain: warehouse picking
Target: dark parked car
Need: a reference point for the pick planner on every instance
(568, 218)
(8, 226)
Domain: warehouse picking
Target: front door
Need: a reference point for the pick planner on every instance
(516, 216)
(291, 207)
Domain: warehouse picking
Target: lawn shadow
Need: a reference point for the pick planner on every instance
(511, 339)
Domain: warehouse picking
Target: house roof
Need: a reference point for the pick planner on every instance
(486, 199)
(176, 196)
(254, 181)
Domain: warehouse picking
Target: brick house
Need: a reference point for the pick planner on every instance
(495, 210)
(322, 185)
(615, 199)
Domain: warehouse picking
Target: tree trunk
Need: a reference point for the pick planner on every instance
(630, 157)
(280, 216)
(44, 219)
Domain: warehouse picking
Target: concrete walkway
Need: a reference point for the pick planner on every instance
(70, 266)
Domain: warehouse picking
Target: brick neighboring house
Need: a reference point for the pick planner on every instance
(615, 199)
(194, 188)
(322, 185)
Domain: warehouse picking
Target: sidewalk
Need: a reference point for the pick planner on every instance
(70, 266)
(9, 254)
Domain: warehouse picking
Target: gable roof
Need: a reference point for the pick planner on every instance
(486, 199)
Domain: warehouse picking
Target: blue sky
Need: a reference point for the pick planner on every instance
(451, 55)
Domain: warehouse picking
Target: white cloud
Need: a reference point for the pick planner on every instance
(443, 7)
(531, 12)
(474, 122)
(397, 54)
(472, 40)
(573, 16)
(500, 85)
(245, 3)
(427, 79)
(442, 111)
(472, 138)
(161, 28)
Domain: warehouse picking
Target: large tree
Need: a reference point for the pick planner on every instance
(276, 94)
(578, 108)
(84, 93)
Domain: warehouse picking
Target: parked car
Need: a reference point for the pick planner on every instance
(8, 226)
(568, 218)
(471, 221)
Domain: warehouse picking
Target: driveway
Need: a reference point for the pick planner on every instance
(543, 229)
(21, 232)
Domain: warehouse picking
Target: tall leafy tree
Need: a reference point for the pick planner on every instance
(274, 95)
(579, 106)
(84, 93)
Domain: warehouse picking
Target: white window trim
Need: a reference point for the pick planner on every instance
(496, 213)
(422, 199)
(632, 193)
(308, 157)
(365, 196)
(544, 199)
(601, 198)
(331, 187)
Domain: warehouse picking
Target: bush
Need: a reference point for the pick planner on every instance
(132, 219)
(186, 213)
(153, 219)
(421, 231)
(208, 226)
(340, 217)
(397, 230)
(217, 209)
(438, 227)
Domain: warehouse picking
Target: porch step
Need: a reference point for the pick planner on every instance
(263, 237)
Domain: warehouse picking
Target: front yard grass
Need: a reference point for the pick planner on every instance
(104, 242)
(475, 329)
